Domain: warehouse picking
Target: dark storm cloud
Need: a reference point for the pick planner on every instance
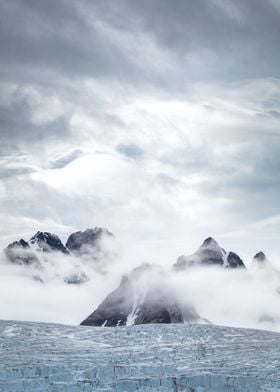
(240, 38)
(53, 39)
(208, 39)
(211, 38)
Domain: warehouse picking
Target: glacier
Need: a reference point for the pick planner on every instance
(160, 357)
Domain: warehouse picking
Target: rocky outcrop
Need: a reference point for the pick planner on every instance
(47, 242)
(232, 260)
(261, 263)
(143, 297)
(88, 241)
(210, 253)
(260, 258)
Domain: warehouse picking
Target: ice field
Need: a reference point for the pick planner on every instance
(193, 358)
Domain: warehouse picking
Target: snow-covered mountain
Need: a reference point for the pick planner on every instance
(210, 253)
(191, 358)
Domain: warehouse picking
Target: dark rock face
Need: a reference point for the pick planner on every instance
(114, 309)
(260, 257)
(19, 252)
(84, 241)
(210, 253)
(141, 299)
(260, 262)
(37, 252)
(48, 242)
(234, 261)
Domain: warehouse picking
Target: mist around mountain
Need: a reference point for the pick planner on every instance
(44, 257)
(209, 254)
(144, 296)
(87, 279)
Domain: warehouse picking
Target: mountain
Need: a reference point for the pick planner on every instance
(264, 270)
(47, 242)
(143, 297)
(44, 250)
(19, 252)
(210, 253)
(88, 241)
(260, 257)
(260, 260)
(28, 253)
(261, 264)
(37, 357)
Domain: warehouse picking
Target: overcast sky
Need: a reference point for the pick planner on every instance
(157, 119)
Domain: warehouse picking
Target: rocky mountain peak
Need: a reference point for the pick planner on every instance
(209, 253)
(43, 248)
(260, 257)
(83, 241)
(21, 243)
(47, 242)
(144, 296)
(210, 242)
(232, 260)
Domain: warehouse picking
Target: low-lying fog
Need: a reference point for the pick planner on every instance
(241, 298)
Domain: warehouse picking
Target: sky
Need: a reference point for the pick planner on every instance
(159, 120)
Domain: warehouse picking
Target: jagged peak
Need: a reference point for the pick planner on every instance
(23, 243)
(81, 241)
(42, 236)
(210, 253)
(47, 241)
(210, 242)
(18, 244)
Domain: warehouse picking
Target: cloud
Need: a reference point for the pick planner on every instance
(223, 297)
(159, 121)
(207, 162)
(230, 298)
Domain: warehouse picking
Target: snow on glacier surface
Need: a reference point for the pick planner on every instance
(192, 358)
